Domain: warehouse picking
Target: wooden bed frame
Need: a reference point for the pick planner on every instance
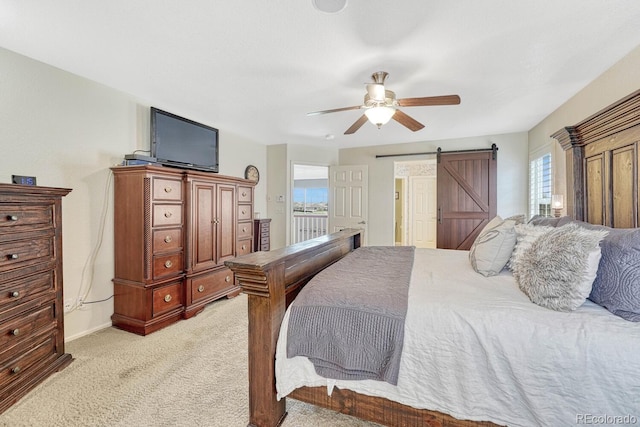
(272, 280)
(595, 186)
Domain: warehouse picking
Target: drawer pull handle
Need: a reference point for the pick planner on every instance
(244, 194)
(15, 294)
(167, 189)
(15, 369)
(244, 247)
(244, 229)
(13, 256)
(227, 279)
(201, 288)
(244, 212)
(167, 214)
(167, 298)
(12, 217)
(15, 332)
(168, 263)
(168, 239)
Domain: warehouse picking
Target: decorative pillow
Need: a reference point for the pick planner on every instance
(493, 246)
(526, 234)
(544, 220)
(617, 285)
(558, 269)
(519, 219)
(548, 221)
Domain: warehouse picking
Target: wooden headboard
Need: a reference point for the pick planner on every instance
(602, 165)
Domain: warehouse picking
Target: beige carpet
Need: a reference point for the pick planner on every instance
(193, 373)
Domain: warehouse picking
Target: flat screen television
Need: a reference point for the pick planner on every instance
(180, 142)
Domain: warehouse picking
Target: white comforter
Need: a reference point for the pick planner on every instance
(478, 349)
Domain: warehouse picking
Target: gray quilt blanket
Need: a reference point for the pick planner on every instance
(349, 319)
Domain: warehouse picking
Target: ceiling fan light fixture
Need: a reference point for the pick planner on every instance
(380, 115)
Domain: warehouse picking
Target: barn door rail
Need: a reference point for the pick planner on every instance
(493, 149)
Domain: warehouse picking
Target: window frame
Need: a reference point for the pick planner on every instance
(541, 182)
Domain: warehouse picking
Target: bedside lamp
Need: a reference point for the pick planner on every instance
(557, 203)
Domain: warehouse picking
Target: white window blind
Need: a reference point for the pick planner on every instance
(540, 186)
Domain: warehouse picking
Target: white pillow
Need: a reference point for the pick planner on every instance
(558, 269)
(493, 246)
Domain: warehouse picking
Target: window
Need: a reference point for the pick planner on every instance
(310, 202)
(540, 185)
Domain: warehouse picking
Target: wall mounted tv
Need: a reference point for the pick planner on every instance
(180, 142)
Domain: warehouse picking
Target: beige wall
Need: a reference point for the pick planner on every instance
(281, 159)
(620, 80)
(512, 175)
(68, 131)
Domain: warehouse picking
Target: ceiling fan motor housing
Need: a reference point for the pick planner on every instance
(388, 101)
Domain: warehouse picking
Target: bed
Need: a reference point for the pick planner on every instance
(590, 336)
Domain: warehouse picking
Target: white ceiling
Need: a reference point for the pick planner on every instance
(254, 68)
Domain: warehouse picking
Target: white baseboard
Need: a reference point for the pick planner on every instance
(87, 332)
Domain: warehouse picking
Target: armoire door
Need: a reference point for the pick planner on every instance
(203, 225)
(225, 220)
(467, 198)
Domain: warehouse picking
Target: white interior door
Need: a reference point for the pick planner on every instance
(422, 211)
(348, 202)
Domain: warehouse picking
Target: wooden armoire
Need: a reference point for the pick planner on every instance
(174, 229)
(602, 159)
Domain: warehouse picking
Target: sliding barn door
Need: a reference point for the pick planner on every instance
(466, 197)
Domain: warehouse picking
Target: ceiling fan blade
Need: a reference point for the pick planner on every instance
(407, 121)
(357, 125)
(335, 110)
(429, 100)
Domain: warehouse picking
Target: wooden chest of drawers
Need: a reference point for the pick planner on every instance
(31, 300)
(262, 234)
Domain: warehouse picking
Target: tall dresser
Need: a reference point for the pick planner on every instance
(174, 229)
(262, 234)
(31, 300)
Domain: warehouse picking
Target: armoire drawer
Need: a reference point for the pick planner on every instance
(166, 240)
(244, 230)
(243, 247)
(166, 215)
(167, 265)
(167, 189)
(209, 284)
(244, 212)
(167, 298)
(245, 194)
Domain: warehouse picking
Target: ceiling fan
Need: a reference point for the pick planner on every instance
(380, 105)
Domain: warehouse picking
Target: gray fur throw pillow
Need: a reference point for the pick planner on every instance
(558, 269)
(526, 234)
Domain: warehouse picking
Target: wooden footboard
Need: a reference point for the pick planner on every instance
(272, 280)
